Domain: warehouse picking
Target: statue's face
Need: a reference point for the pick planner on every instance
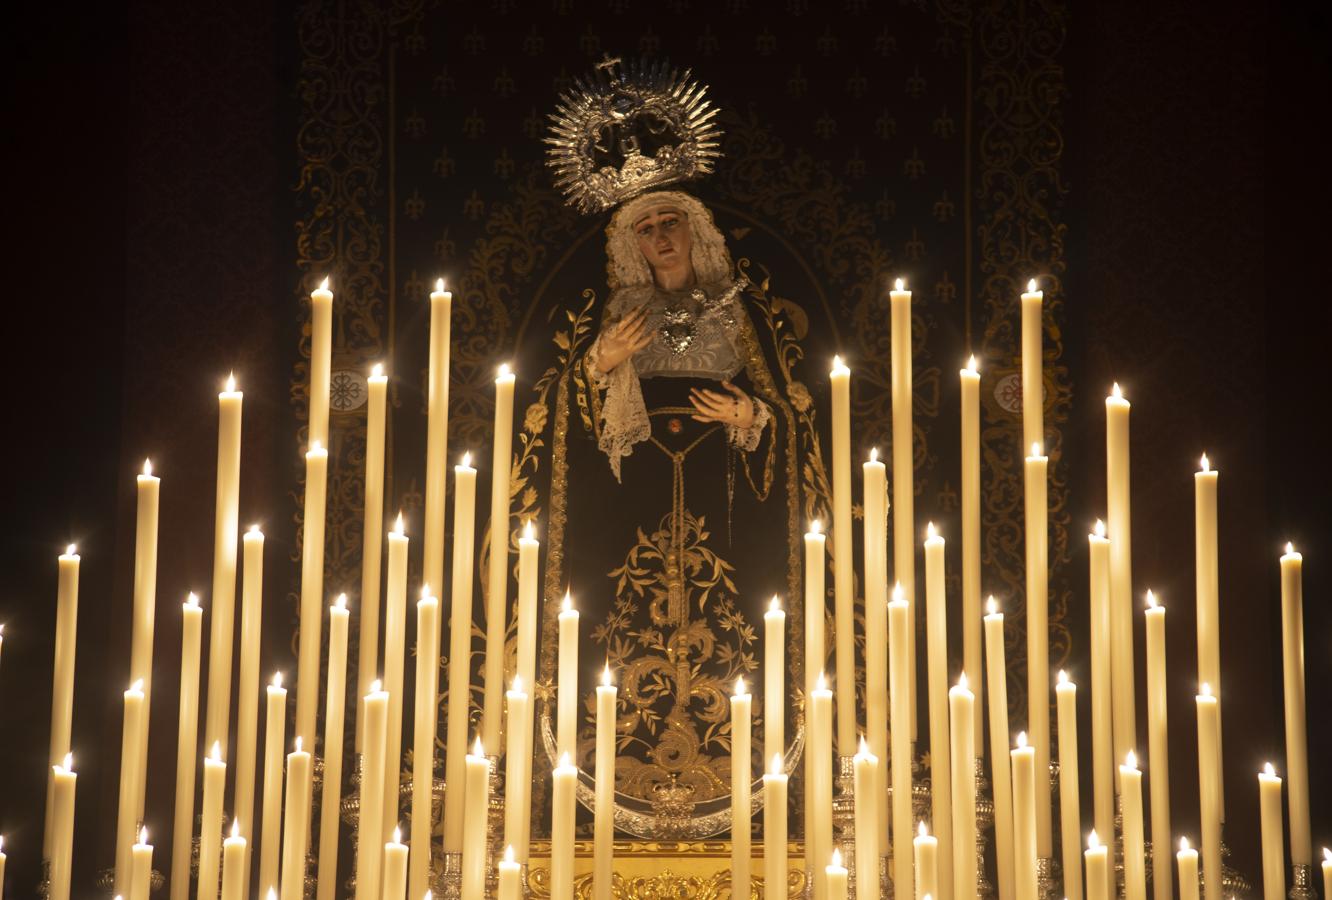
(664, 240)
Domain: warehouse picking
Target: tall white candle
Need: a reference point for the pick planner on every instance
(1208, 791)
(941, 778)
(1000, 777)
(603, 825)
(460, 652)
(210, 828)
(477, 800)
(1297, 743)
(528, 570)
(565, 778)
(497, 572)
(423, 741)
(127, 820)
(971, 541)
(247, 698)
(62, 679)
(372, 531)
(961, 703)
(234, 873)
(904, 492)
(1098, 869)
(312, 592)
(741, 811)
(1125, 736)
(844, 591)
(145, 605)
(141, 868)
(1024, 817)
(271, 827)
(818, 795)
(1103, 754)
(774, 679)
(774, 831)
(369, 852)
(393, 682)
(1070, 809)
(518, 771)
(187, 734)
(321, 360)
(63, 781)
(226, 527)
(1187, 860)
(925, 850)
(876, 640)
(1158, 742)
(866, 775)
(1033, 384)
(437, 433)
(567, 702)
(1208, 585)
(899, 661)
(1269, 805)
(330, 799)
(1038, 640)
(1130, 792)
(816, 652)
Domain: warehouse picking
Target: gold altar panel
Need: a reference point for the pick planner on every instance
(666, 870)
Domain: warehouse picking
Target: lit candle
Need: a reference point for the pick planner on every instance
(741, 811)
(1000, 778)
(971, 540)
(247, 700)
(1098, 868)
(510, 877)
(962, 715)
(774, 677)
(437, 432)
(1038, 639)
(844, 590)
(271, 827)
(567, 710)
(141, 868)
(330, 800)
(1033, 383)
(941, 779)
(460, 651)
(1208, 591)
(2, 853)
(145, 604)
(187, 735)
(866, 771)
(818, 794)
(395, 869)
(1125, 734)
(899, 661)
(904, 492)
(233, 865)
(372, 544)
(497, 573)
(63, 779)
(321, 358)
(834, 875)
(477, 799)
(1070, 819)
(1187, 860)
(1297, 745)
(876, 640)
(1158, 743)
(1103, 754)
(603, 826)
(1024, 817)
(423, 740)
(395, 664)
(312, 592)
(528, 570)
(1327, 872)
(1130, 792)
(210, 826)
(518, 771)
(62, 679)
(816, 655)
(1208, 792)
(1274, 837)
(562, 830)
(925, 847)
(128, 815)
(774, 831)
(226, 528)
(370, 824)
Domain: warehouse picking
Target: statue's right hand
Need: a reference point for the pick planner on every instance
(623, 339)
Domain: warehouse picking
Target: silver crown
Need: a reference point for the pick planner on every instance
(626, 130)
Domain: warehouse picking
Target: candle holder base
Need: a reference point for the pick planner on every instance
(106, 882)
(1046, 878)
(1302, 882)
(1233, 884)
(886, 877)
(494, 826)
(984, 819)
(448, 878)
(44, 886)
(844, 817)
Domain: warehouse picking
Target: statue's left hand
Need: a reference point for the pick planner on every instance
(713, 406)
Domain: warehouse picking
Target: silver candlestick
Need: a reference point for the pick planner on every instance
(448, 883)
(1045, 878)
(984, 819)
(844, 817)
(494, 827)
(1301, 882)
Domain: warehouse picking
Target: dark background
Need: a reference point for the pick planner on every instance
(151, 151)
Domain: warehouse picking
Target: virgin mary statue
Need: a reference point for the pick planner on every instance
(679, 487)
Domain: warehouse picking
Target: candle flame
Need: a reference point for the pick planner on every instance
(376, 686)
(277, 679)
(467, 460)
(272, 894)
(216, 753)
(71, 550)
(2, 843)
(1290, 547)
(565, 761)
(991, 605)
(231, 382)
(439, 285)
(477, 749)
(822, 683)
(192, 600)
(143, 834)
(1327, 854)
(774, 605)
(377, 370)
(254, 529)
(930, 531)
(864, 747)
(898, 595)
(1268, 770)
(315, 447)
(1116, 392)
(1205, 689)
(1035, 448)
(837, 363)
(921, 829)
(874, 454)
(775, 768)
(567, 603)
(2, 629)
(1022, 740)
(836, 858)
(235, 830)
(397, 834)
(1093, 842)
(1031, 285)
(1183, 845)
(1131, 760)
(517, 684)
(528, 534)
(136, 687)
(69, 762)
(962, 682)
(899, 285)
(504, 371)
(298, 743)
(1099, 528)
(816, 527)
(740, 686)
(341, 602)
(1206, 465)
(606, 676)
(508, 854)
(147, 467)
(323, 285)
(971, 364)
